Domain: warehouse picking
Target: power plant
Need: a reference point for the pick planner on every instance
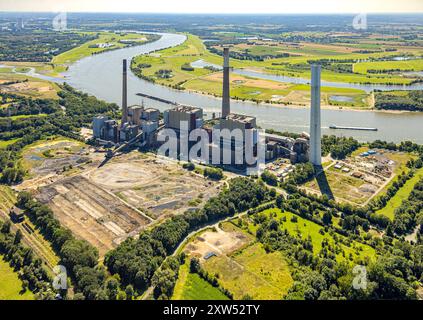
(142, 126)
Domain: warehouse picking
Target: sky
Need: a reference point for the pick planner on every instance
(216, 6)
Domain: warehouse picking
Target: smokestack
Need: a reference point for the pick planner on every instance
(124, 94)
(315, 124)
(226, 102)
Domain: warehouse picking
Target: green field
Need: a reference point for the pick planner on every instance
(11, 285)
(252, 272)
(400, 196)
(261, 90)
(303, 228)
(5, 144)
(62, 61)
(190, 286)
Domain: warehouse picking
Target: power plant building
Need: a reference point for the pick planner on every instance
(174, 117)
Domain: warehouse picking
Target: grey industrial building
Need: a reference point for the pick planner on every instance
(142, 125)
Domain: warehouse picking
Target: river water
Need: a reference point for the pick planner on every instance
(100, 75)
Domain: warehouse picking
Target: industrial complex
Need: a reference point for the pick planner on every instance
(237, 134)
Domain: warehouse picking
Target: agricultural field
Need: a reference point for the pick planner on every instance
(194, 66)
(11, 285)
(190, 286)
(357, 180)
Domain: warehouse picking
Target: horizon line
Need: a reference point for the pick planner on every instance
(223, 13)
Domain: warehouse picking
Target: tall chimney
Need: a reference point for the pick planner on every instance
(124, 94)
(226, 102)
(315, 124)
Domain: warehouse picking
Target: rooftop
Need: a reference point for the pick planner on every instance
(187, 109)
(240, 118)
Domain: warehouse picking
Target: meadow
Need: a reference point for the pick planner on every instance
(208, 81)
(401, 195)
(345, 249)
(252, 272)
(190, 286)
(113, 41)
(11, 285)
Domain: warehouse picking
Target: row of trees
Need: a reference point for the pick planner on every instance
(22, 259)
(411, 101)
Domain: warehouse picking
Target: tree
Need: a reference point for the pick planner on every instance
(194, 266)
(129, 290)
(18, 237)
(269, 178)
(327, 218)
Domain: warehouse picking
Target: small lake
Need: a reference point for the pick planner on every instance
(341, 98)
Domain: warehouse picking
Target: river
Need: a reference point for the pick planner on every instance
(100, 75)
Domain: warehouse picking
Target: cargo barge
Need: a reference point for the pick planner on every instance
(352, 128)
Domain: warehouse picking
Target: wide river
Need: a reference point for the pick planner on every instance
(100, 75)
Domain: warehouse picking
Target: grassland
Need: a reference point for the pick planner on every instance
(252, 272)
(207, 81)
(113, 41)
(11, 285)
(5, 144)
(28, 86)
(190, 286)
(400, 196)
(346, 250)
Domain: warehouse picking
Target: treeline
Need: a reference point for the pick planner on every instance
(23, 260)
(246, 55)
(136, 260)
(410, 212)
(27, 106)
(195, 267)
(79, 111)
(338, 147)
(91, 280)
(410, 101)
(38, 46)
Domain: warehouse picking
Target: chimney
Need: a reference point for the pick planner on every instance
(315, 124)
(226, 102)
(124, 94)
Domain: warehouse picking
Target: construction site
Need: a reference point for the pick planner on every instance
(106, 202)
